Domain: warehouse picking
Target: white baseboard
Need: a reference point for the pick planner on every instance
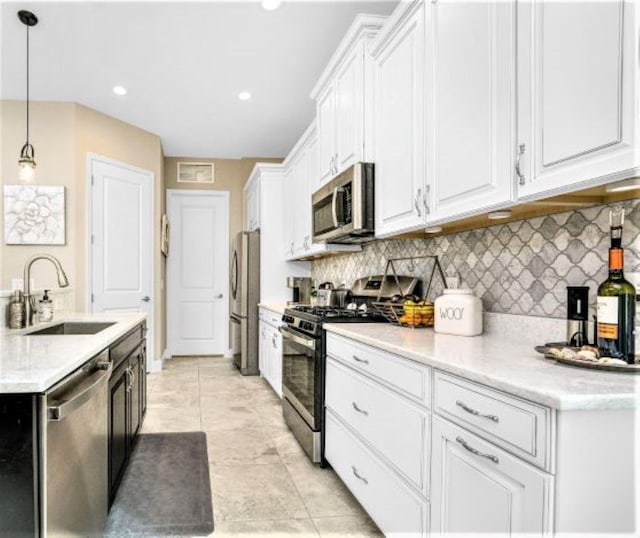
(228, 354)
(156, 365)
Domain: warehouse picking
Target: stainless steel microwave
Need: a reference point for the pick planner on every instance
(343, 208)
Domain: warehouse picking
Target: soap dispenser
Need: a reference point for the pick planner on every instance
(45, 309)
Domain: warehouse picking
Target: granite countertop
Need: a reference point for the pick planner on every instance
(36, 363)
(513, 367)
(278, 308)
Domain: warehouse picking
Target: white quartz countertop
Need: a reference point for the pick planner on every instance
(36, 363)
(509, 366)
(278, 308)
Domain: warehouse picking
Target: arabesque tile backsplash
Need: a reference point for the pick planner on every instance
(520, 267)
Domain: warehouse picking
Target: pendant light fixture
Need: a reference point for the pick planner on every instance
(27, 163)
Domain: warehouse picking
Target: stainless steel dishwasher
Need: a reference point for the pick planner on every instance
(74, 452)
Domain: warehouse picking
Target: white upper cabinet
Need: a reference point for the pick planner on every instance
(300, 181)
(343, 98)
(398, 55)
(578, 117)
(252, 205)
(470, 107)
(326, 111)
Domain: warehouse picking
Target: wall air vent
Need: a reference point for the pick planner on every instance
(195, 173)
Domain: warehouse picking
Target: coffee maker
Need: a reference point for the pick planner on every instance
(301, 286)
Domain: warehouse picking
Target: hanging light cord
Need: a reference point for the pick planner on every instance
(27, 85)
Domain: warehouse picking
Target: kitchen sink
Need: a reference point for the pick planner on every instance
(74, 327)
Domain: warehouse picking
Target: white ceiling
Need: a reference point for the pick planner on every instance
(183, 65)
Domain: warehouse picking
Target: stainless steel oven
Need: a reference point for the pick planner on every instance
(302, 400)
(343, 208)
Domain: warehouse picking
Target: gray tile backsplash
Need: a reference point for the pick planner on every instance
(520, 267)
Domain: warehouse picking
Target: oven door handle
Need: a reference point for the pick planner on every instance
(290, 335)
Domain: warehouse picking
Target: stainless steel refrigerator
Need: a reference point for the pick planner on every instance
(244, 283)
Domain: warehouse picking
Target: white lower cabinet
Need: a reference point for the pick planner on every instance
(479, 488)
(395, 508)
(270, 350)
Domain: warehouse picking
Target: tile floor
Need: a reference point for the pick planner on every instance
(262, 482)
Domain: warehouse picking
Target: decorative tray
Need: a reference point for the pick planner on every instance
(589, 364)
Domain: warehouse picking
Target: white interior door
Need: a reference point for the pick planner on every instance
(121, 240)
(198, 272)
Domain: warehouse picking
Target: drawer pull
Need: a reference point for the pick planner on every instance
(476, 413)
(358, 359)
(491, 457)
(355, 406)
(358, 476)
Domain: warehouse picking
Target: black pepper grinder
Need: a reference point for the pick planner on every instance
(577, 315)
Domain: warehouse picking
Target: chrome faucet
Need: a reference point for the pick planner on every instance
(63, 282)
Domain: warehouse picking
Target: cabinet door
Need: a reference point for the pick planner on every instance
(478, 488)
(263, 350)
(118, 425)
(577, 93)
(470, 93)
(288, 217)
(252, 223)
(399, 130)
(275, 358)
(136, 402)
(301, 196)
(349, 86)
(326, 114)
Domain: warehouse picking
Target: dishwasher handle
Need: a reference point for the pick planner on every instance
(77, 399)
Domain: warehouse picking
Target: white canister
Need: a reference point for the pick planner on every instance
(458, 311)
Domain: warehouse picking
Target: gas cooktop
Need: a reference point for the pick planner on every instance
(310, 318)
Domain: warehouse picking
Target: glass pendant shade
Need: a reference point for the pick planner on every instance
(27, 163)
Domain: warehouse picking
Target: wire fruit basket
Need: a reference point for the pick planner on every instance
(409, 313)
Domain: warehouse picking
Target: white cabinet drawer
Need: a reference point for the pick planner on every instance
(519, 426)
(270, 317)
(409, 378)
(395, 427)
(389, 502)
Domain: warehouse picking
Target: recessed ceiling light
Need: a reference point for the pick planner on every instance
(120, 90)
(434, 230)
(624, 185)
(270, 5)
(244, 96)
(497, 215)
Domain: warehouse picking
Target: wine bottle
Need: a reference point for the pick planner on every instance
(616, 303)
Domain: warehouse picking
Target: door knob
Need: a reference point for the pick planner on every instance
(219, 296)
(146, 298)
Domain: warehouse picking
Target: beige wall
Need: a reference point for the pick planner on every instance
(230, 175)
(63, 134)
(52, 133)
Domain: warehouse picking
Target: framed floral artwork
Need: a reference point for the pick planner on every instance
(34, 215)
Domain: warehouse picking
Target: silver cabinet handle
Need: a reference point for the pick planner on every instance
(425, 200)
(416, 202)
(133, 378)
(358, 359)
(355, 406)
(491, 457)
(521, 178)
(273, 341)
(358, 475)
(146, 298)
(476, 413)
